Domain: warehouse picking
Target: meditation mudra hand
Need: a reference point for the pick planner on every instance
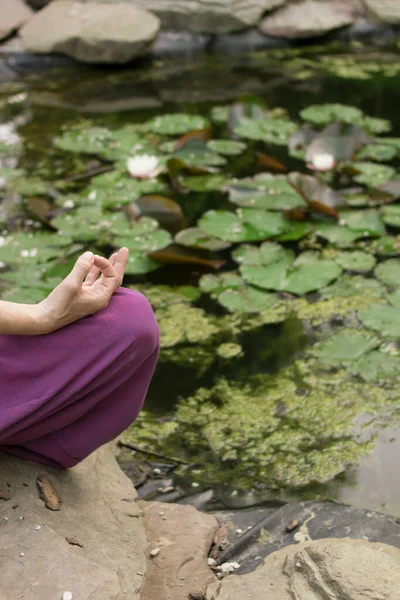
(75, 368)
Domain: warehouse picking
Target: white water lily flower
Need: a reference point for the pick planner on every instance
(144, 166)
(322, 162)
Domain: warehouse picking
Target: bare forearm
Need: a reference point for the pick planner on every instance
(21, 319)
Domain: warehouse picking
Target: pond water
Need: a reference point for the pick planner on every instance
(264, 403)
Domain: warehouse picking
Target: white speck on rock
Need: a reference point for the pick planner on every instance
(38, 527)
(22, 554)
(239, 531)
(67, 596)
(155, 551)
(157, 471)
(194, 484)
(211, 562)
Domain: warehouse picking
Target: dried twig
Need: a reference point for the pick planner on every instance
(143, 451)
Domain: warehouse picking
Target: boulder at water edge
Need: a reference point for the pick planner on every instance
(385, 10)
(13, 14)
(209, 16)
(91, 32)
(310, 18)
(105, 557)
(338, 569)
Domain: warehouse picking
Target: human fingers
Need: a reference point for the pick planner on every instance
(121, 261)
(92, 276)
(110, 278)
(81, 269)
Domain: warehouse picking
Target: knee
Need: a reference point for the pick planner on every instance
(136, 320)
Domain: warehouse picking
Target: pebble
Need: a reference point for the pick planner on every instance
(67, 596)
(194, 484)
(156, 471)
(22, 554)
(229, 567)
(139, 573)
(155, 551)
(161, 513)
(239, 531)
(38, 527)
(211, 562)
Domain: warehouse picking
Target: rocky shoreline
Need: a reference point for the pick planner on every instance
(117, 32)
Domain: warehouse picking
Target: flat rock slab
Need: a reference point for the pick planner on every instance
(209, 16)
(183, 536)
(265, 530)
(98, 509)
(310, 18)
(338, 569)
(13, 13)
(385, 10)
(91, 32)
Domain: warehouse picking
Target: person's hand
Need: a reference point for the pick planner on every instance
(85, 291)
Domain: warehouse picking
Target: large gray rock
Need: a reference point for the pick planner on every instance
(209, 16)
(331, 569)
(13, 15)
(91, 32)
(385, 10)
(98, 509)
(310, 18)
(184, 537)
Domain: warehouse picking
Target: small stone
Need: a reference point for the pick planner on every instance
(161, 512)
(139, 573)
(239, 531)
(195, 485)
(155, 551)
(156, 471)
(22, 554)
(67, 596)
(164, 518)
(38, 527)
(211, 562)
(21, 518)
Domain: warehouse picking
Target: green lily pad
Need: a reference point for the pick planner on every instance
(265, 254)
(391, 215)
(372, 174)
(296, 231)
(247, 299)
(354, 285)
(307, 278)
(196, 154)
(376, 366)
(139, 264)
(83, 139)
(245, 226)
(215, 284)
(394, 298)
(355, 261)
(323, 114)
(269, 192)
(378, 152)
(194, 237)
(137, 240)
(176, 124)
(388, 246)
(226, 147)
(31, 248)
(272, 131)
(389, 272)
(383, 319)
(298, 279)
(374, 125)
(337, 234)
(220, 114)
(346, 345)
(203, 183)
(366, 222)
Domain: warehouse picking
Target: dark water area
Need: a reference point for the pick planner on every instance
(290, 80)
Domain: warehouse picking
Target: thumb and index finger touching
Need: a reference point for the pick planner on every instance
(112, 270)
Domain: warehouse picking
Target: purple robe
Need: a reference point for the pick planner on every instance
(64, 394)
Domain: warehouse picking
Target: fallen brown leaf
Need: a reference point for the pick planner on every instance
(47, 493)
(291, 526)
(74, 542)
(4, 495)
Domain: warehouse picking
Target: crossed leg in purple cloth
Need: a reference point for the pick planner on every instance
(64, 394)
